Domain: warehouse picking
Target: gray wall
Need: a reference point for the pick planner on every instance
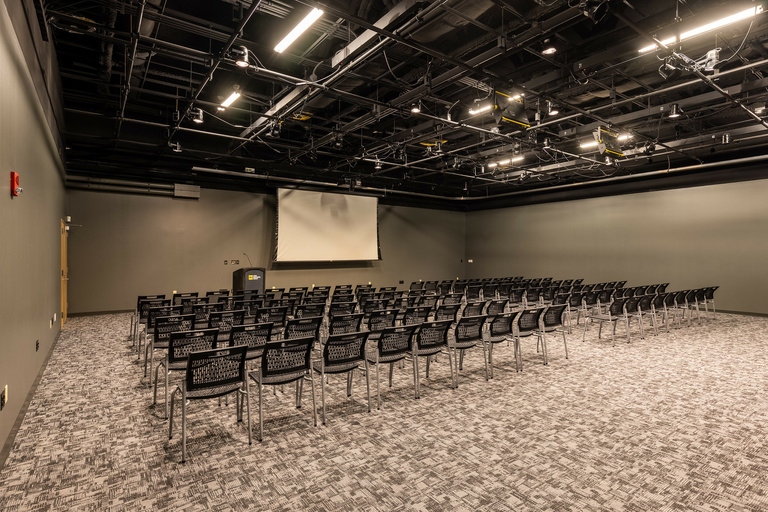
(30, 227)
(134, 244)
(693, 237)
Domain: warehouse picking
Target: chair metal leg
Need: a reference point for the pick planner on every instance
(378, 391)
(170, 423)
(415, 359)
(485, 359)
(247, 398)
(565, 343)
(368, 383)
(261, 406)
(349, 383)
(183, 426)
(322, 390)
(314, 405)
(490, 357)
(391, 372)
(626, 321)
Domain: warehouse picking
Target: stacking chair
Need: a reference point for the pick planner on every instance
(161, 328)
(447, 312)
(372, 305)
(310, 309)
(202, 312)
(253, 336)
(180, 344)
(588, 305)
(212, 374)
(429, 301)
(709, 299)
(496, 307)
(616, 312)
(681, 306)
(303, 327)
(416, 315)
(532, 297)
(140, 313)
(416, 285)
(342, 308)
(214, 296)
(284, 362)
(430, 339)
(630, 307)
(379, 320)
(467, 334)
(344, 324)
(526, 323)
(430, 287)
(179, 297)
(250, 306)
(490, 291)
(187, 303)
(453, 298)
(394, 344)
(343, 353)
(473, 308)
(670, 309)
(657, 308)
(552, 321)
(516, 298)
(277, 315)
(473, 292)
(224, 320)
(499, 330)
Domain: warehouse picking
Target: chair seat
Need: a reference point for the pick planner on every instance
(335, 368)
(425, 351)
(283, 378)
(462, 344)
(386, 359)
(497, 339)
(211, 392)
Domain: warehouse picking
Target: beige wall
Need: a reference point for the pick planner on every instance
(30, 227)
(692, 237)
(134, 244)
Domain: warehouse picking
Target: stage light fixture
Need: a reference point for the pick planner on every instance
(674, 111)
(196, 114)
(552, 109)
(241, 56)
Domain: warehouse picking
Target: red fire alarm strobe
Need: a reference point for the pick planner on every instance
(15, 188)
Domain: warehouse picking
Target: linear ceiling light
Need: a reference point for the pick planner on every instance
(232, 97)
(733, 18)
(593, 143)
(480, 110)
(298, 30)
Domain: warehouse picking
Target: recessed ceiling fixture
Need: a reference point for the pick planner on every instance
(675, 111)
(241, 56)
(299, 29)
(733, 18)
(196, 115)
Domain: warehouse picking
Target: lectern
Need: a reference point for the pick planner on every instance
(248, 279)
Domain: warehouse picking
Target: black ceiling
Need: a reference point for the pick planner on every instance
(134, 71)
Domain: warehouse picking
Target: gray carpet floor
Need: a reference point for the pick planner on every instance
(670, 422)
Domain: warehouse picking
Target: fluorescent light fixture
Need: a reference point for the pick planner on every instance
(298, 30)
(518, 158)
(232, 97)
(505, 162)
(480, 110)
(626, 136)
(494, 164)
(733, 18)
(590, 144)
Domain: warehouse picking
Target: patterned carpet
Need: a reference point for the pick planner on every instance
(671, 422)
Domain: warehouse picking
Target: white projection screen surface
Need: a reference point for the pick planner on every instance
(320, 226)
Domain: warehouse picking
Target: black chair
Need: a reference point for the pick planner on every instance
(310, 310)
(253, 336)
(473, 308)
(143, 308)
(161, 328)
(343, 353)
(342, 308)
(180, 344)
(416, 315)
(380, 320)
(393, 346)
(447, 312)
(276, 315)
(526, 323)
(552, 321)
(284, 362)
(187, 303)
(303, 327)
(709, 300)
(467, 334)
(212, 374)
(499, 331)
(202, 312)
(490, 291)
(178, 297)
(224, 320)
(453, 298)
(140, 313)
(430, 339)
(644, 310)
(616, 311)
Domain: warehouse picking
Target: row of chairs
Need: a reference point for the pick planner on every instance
(214, 368)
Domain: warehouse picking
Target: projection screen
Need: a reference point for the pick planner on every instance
(320, 226)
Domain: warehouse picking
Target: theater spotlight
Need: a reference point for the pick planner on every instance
(196, 115)
(240, 53)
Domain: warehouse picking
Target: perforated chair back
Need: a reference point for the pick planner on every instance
(250, 306)
(315, 299)
(388, 289)
(395, 341)
(553, 316)
(473, 308)
(344, 352)
(224, 320)
(181, 343)
(447, 312)
(215, 371)
(527, 321)
(202, 312)
(146, 304)
(453, 298)
(178, 297)
(496, 307)
(680, 298)
(604, 296)
(416, 315)
(669, 299)
(516, 295)
(430, 287)
(188, 303)
(469, 330)
(429, 301)
(499, 326)
(382, 319)
(342, 308)
(159, 311)
(575, 299)
(146, 299)
(432, 336)
(658, 301)
(165, 325)
(277, 315)
(309, 310)
(416, 285)
(286, 361)
(662, 288)
(589, 298)
(375, 305)
(562, 298)
(619, 304)
(303, 327)
(253, 336)
(644, 304)
(343, 297)
(343, 324)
